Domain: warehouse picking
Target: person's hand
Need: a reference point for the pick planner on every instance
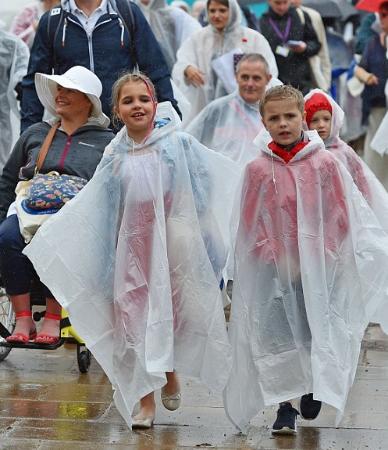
(194, 76)
(298, 48)
(372, 80)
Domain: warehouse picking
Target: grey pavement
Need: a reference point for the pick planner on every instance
(46, 404)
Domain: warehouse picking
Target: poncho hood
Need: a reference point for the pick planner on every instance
(234, 18)
(166, 121)
(315, 143)
(337, 117)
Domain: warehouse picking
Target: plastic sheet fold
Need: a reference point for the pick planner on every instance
(14, 55)
(228, 126)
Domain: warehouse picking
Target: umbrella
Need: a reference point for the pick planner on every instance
(340, 9)
(369, 5)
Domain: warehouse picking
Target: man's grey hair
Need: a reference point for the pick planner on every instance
(253, 57)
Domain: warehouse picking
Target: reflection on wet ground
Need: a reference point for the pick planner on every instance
(46, 404)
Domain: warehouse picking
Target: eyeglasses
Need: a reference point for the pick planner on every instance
(383, 15)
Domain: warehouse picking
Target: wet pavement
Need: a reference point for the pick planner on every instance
(46, 404)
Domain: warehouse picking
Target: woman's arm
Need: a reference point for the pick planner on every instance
(365, 77)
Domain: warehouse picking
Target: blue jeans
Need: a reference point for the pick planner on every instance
(17, 271)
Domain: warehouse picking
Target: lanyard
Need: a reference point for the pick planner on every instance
(283, 36)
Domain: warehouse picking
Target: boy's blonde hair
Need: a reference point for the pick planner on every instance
(130, 77)
(283, 92)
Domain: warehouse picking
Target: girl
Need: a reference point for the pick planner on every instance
(140, 256)
(326, 116)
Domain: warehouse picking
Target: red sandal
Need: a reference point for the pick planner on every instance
(21, 338)
(48, 339)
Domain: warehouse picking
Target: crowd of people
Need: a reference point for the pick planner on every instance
(164, 152)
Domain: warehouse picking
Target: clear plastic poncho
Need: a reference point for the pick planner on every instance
(379, 142)
(14, 55)
(310, 269)
(228, 126)
(207, 44)
(366, 181)
(171, 26)
(138, 259)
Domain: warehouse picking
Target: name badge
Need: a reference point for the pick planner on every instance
(282, 51)
(55, 11)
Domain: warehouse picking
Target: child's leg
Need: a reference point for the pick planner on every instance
(170, 394)
(146, 415)
(285, 422)
(172, 386)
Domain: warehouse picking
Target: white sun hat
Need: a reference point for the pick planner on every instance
(78, 78)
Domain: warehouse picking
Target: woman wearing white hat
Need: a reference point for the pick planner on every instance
(80, 135)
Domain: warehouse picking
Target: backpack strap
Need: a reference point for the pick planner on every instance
(55, 19)
(124, 11)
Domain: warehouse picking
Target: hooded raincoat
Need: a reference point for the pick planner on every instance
(366, 181)
(137, 260)
(310, 268)
(207, 44)
(229, 125)
(14, 56)
(171, 26)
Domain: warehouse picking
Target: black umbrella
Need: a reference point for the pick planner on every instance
(339, 9)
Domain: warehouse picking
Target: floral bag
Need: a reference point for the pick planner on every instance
(42, 196)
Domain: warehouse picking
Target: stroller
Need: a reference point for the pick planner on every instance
(67, 333)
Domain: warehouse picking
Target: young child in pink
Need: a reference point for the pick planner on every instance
(325, 116)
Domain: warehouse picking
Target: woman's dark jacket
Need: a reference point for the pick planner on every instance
(77, 154)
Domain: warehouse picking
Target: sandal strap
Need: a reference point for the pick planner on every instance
(52, 316)
(26, 313)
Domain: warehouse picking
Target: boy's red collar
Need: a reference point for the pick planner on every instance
(287, 155)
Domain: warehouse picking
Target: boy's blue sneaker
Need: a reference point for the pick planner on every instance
(309, 408)
(286, 420)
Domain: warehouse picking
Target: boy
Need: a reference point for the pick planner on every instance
(309, 272)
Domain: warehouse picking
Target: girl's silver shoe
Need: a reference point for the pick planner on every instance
(142, 424)
(171, 402)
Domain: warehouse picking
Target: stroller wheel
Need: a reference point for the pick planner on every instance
(7, 321)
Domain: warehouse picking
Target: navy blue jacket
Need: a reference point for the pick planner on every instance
(61, 43)
(374, 61)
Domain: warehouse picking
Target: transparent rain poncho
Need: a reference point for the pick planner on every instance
(310, 269)
(171, 26)
(379, 142)
(203, 46)
(138, 261)
(228, 126)
(366, 181)
(14, 55)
